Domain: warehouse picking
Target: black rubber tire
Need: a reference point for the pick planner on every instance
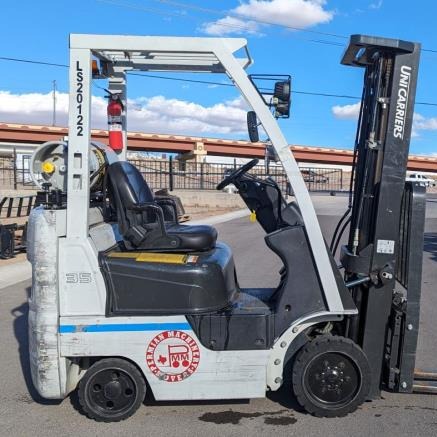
(333, 347)
(126, 372)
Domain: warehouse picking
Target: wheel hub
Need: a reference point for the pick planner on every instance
(332, 378)
(111, 391)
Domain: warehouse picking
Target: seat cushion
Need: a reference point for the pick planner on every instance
(195, 238)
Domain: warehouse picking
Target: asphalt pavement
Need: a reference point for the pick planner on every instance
(24, 413)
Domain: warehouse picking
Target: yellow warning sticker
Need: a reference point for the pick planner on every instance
(123, 255)
(166, 258)
(153, 257)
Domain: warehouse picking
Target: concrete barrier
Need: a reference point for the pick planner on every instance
(208, 200)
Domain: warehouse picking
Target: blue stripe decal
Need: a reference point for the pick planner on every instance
(124, 327)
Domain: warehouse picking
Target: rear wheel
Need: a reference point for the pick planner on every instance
(331, 376)
(111, 390)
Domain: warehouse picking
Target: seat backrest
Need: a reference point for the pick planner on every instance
(127, 188)
(129, 183)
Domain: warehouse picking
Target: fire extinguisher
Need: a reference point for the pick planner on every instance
(115, 132)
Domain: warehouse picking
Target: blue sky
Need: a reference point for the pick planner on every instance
(39, 30)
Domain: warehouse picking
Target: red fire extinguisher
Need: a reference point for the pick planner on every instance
(115, 132)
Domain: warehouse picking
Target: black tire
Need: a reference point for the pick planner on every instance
(111, 390)
(331, 376)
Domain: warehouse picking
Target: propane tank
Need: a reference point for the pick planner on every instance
(115, 131)
(49, 163)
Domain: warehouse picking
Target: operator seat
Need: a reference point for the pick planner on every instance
(146, 223)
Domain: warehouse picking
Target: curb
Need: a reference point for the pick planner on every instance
(215, 220)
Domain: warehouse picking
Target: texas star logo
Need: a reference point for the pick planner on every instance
(173, 356)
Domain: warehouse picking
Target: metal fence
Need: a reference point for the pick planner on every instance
(183, 175)
(15, 174)
(15, 207)
(180, 175)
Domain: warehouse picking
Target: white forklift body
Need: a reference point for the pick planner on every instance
(68, 321)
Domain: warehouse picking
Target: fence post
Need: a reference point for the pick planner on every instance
(160, 175)
(14, 166)
(171, 173)
(201, 176)
(23, 170)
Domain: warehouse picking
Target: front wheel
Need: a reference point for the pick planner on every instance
(111, 390)
(331, 376)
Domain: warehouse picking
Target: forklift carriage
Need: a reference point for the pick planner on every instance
(124, 296)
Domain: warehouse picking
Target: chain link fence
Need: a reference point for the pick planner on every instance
(182, 175)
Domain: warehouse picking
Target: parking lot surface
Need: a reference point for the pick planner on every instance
(23, 413)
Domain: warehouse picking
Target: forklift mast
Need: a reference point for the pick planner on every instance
(378, 252)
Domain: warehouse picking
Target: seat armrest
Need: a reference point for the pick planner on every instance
(169, 202)
(151, 206)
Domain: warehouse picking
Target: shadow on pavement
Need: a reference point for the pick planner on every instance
(285, 397)
(20, 314)
(151, 402)
(430, 244)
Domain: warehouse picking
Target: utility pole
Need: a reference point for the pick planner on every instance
(54, 104)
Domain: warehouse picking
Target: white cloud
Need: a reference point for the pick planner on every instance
(347, 112)
(376, 4)
(294, 13)
(228, 25)
(146, 114)
(424, 123)
(420, 123)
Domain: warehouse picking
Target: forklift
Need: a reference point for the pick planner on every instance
(126, 299)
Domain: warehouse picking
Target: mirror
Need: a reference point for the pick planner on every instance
(281, 99)
(252, 126)
(270, 155)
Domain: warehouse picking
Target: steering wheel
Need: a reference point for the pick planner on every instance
(236, 174)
